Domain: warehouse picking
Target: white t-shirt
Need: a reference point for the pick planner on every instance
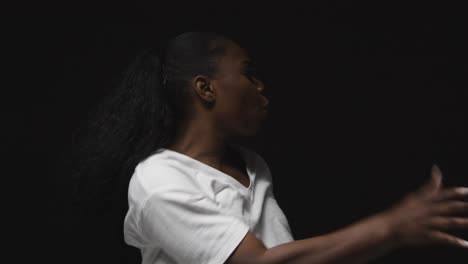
(184, 211)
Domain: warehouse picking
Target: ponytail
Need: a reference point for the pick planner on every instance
(131, 123)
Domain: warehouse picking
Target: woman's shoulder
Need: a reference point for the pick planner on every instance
(161, 171)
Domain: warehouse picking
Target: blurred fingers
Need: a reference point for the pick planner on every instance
(447, 239)
(451, 193)
(446, 223)
(433, 185)
(451, 207)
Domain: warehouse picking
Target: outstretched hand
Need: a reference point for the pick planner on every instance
(424, 216)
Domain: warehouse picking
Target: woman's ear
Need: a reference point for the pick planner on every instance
(204, 89)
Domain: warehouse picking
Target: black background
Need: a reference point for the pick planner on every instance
(364, 98)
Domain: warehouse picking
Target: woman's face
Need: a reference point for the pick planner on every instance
(239, 106)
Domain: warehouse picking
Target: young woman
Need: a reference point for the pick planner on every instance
(195, 195)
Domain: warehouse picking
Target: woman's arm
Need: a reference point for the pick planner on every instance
(358, 243)
(421, 218)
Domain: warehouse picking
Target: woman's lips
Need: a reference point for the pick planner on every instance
(265, 108)
(266, 102)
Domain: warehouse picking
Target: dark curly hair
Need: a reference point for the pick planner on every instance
(137, 118)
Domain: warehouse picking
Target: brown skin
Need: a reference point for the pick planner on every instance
(225, 107)
(230, 105)
(422, 218)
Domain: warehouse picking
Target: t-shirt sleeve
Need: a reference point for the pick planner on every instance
(189, 226)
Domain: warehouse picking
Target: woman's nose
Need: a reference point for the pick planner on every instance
(260, 85)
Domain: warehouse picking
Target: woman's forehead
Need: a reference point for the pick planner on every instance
(234, 54)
